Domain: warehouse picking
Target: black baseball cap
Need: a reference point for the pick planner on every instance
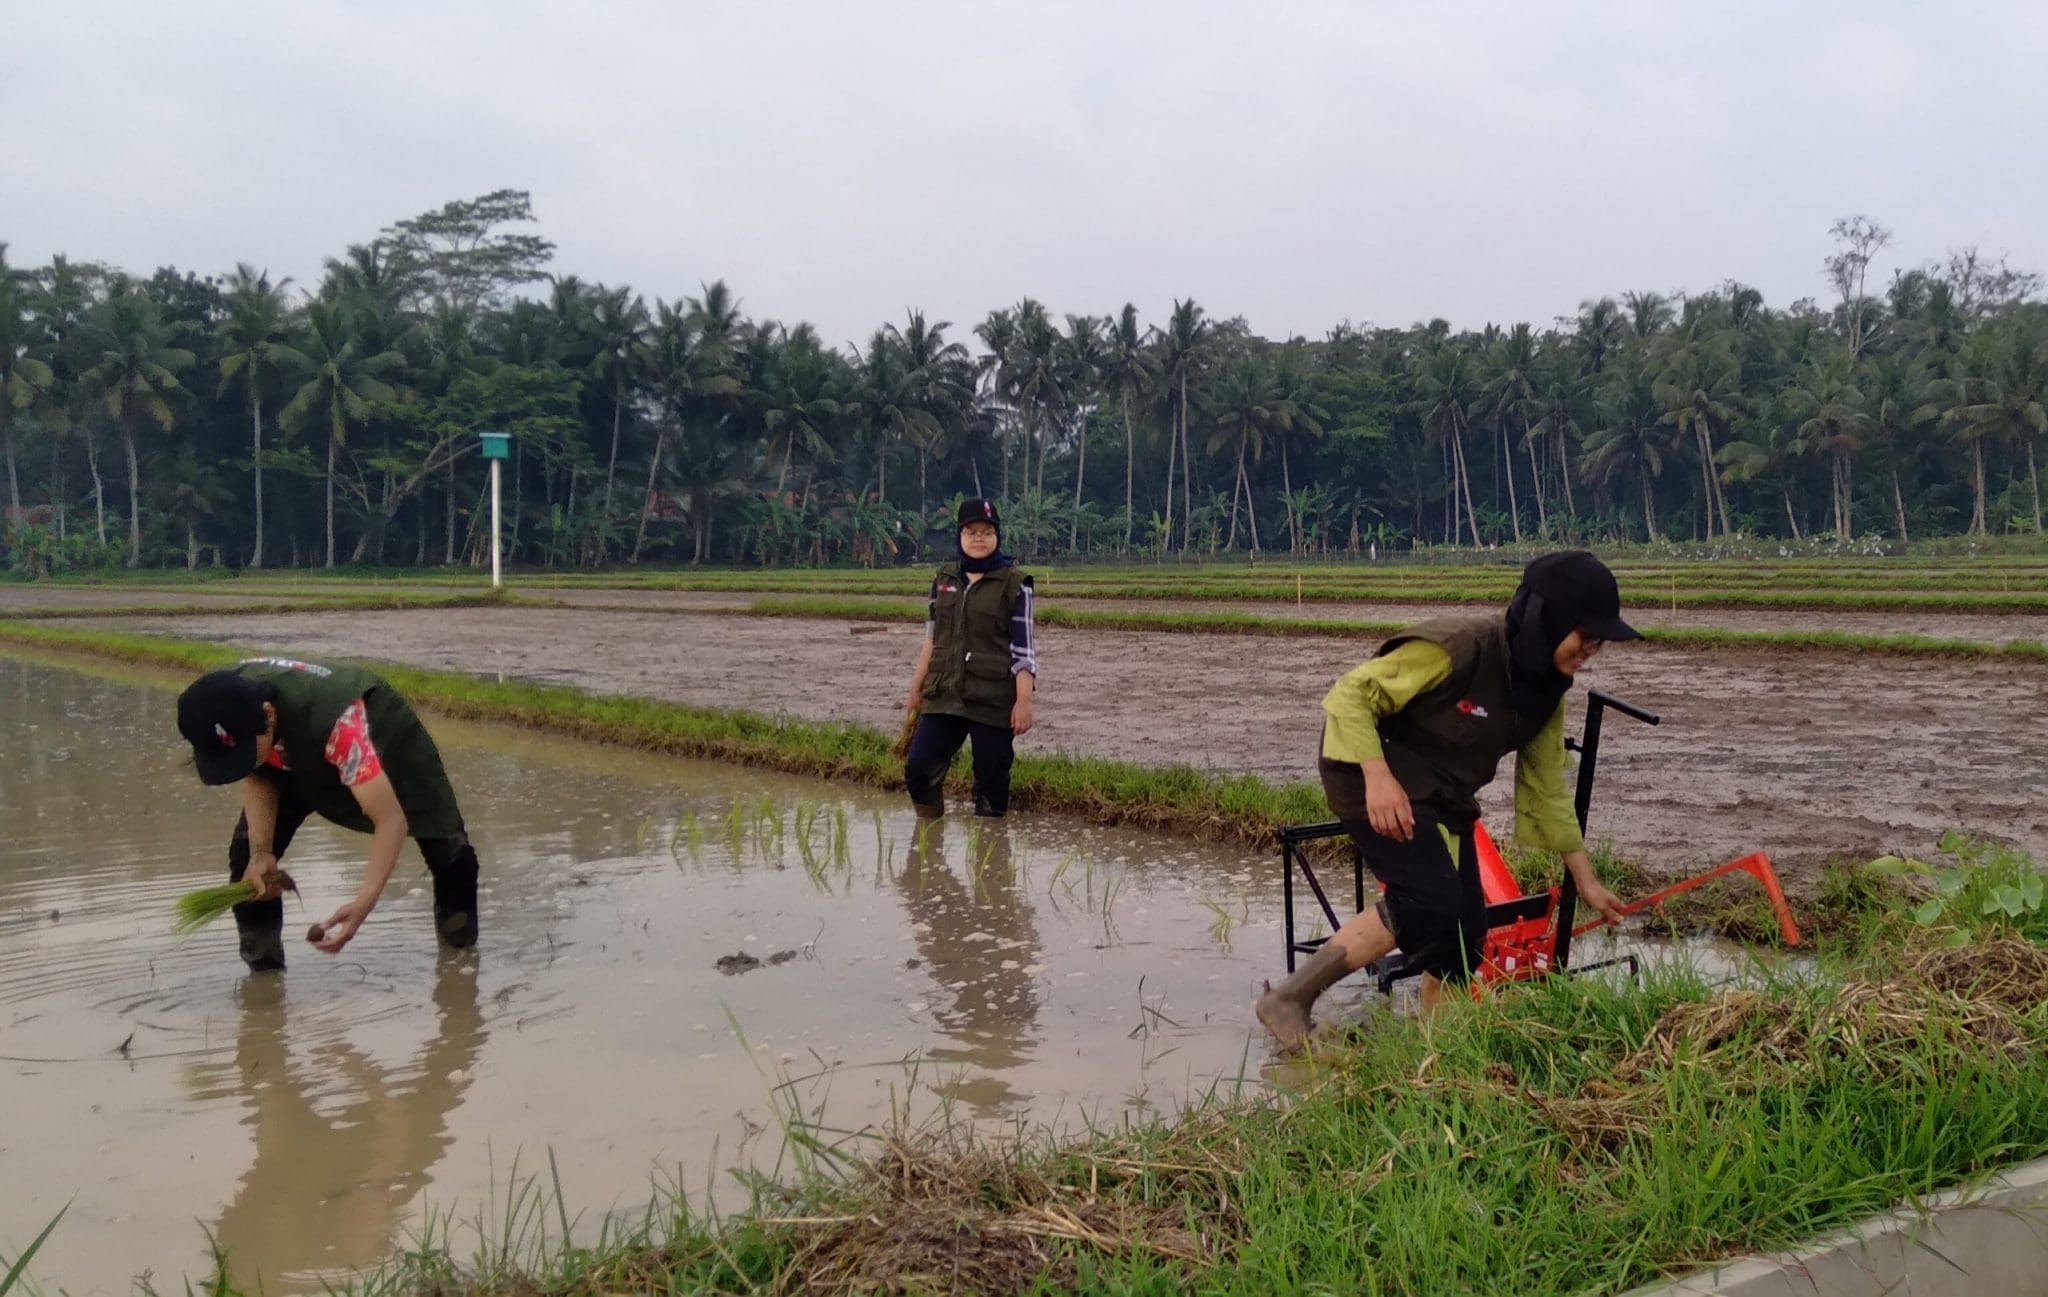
(977, 511)
(1580, 590)
(221, 716)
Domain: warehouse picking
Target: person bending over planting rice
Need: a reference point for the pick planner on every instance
(1410, 738)
(303, 738)
(976, 670)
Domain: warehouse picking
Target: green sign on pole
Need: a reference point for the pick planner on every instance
(497, 445)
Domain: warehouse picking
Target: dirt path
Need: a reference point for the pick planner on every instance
(1805, 755)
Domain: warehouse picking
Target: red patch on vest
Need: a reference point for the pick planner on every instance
(1470, 708)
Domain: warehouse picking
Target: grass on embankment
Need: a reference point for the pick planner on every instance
(394, 601)
(1241, 808)
(1233, 623)
(1573, 1136)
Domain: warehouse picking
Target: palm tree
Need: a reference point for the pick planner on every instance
(618, 323)
(998, 333)
(24, 378)
(1294, 416)
(2000, 398)
(1767, 449)
(1184, 349)
(1828, 410)
(1039, 381)
(1900, 402)
(136, 374)
(1084, 355)
(1649, 314)
(255, 348)
(1695, 385)
(1627, 441)
(1560, 398)
(941, 389)
(1599, 333)
(1510, 397)
(1128, 373)
(694, 378)
(1446, 396)
(342, 381)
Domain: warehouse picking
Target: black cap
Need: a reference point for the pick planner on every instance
(1580, 590)
(221, 716)
(977, 511)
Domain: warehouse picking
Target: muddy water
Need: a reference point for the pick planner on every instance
(309, 1119)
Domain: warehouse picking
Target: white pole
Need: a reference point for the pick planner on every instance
(497, 575)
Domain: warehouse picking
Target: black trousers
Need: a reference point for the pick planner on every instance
(452, 862)
(931, 751)
(1434, 903)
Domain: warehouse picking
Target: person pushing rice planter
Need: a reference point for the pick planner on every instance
(1409, 739)
(976, 671)
(338, 741)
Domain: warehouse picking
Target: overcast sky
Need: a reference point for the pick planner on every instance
(1299, 164)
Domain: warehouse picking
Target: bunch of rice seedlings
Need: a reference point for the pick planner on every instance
(197, 908)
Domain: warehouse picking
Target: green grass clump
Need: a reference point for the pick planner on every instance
(1578, 1135)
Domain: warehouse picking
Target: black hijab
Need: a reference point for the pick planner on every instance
(972, 511)
(1560, 593)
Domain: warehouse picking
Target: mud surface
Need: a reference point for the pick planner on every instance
(1803, 754)
(1983, 627)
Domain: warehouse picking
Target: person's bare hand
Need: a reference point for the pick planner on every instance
(1020, 717)
(342, 927)
(1386, 805)
(264, 875)
(1606, 902)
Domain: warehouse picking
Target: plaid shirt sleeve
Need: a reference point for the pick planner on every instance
(1023, 633)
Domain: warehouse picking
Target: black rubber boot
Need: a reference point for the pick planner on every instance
(1285, 1008)
(985, 808)
(455, 910)
(262, 943)
(929, 810)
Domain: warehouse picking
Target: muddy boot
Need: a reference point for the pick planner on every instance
(455, 917)
(1284, 1008)
(929, 810)
(985, 808)
(262, 943)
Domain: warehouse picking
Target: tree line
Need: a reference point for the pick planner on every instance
(244, 421)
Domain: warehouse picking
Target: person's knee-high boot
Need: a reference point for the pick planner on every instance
(454, 866)
(259, 924)
(1285, 1008)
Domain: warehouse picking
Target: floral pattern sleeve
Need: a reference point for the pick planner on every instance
(349, 749)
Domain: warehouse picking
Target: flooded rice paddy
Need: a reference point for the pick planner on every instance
(1001, 971)
(676, 959)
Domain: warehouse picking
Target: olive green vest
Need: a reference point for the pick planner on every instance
(969, 673)
(1446, 744)
(310, 699)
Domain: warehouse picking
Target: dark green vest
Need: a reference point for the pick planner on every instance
(310, 698)
(969, 673)
(1446, 744)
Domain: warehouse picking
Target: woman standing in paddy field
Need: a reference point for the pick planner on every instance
(1409, 739)
(976, 672)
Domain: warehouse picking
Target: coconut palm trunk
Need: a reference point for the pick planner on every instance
(256, 462)
(333, 443)
(134, 496)
(1130, 472)
(1080, 471)
(653, 469)
(1507, 463)
(1899, 505)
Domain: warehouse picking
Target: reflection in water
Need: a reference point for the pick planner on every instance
(976, 936)
(342, 1145)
